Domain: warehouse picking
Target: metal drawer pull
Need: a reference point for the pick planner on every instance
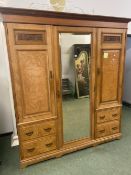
(49, 144)
(47, 129)
(115, 128)
(31, 150)
(114, 115)
(102, 117)
(102, 131)
(29, 133)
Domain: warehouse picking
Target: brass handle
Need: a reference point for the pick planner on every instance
(102, 131)
(98, 71)
(114, 115)
(58, 93)
(114, 128)
(31, 150)
(29, 133)
(47, 129)
(49, 144)
(102, 117)
(51, 75)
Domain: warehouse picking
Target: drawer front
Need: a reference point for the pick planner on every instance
(114, 127)
(38, 146)
(102, 130)
(108, 128)
(107, 115)
(114, 113)
(28, 132)
(47, 128)
(102, 116)
(48, 143)
(30, 149)
(32, 131)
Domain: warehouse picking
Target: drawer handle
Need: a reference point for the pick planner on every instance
(29, 133)
(102, 117)
(49, 144)
(31, 150)
(114, 115)
(102, 131)
(47, 129)
(115, 128)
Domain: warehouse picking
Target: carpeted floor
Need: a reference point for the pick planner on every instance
(113, 158)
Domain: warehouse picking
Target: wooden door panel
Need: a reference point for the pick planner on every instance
(33, 67)
(109, 75)
(32, 71)
(110, 66)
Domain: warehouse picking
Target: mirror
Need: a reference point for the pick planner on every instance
(75, 70)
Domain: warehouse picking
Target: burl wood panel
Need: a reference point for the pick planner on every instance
(33, 66)
(109, 75)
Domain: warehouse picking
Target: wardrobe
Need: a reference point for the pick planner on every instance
(54, 59)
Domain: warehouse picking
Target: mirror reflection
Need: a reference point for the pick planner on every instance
(75, 71)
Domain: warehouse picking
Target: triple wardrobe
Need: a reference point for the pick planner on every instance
(67, 80)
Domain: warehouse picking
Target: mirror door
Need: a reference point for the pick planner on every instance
(75, 53)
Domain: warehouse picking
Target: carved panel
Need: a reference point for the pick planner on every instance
(111, 38)
(109, 75)
(33, 66)
(30, 37)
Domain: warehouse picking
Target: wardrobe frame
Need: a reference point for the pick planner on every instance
(67, 22)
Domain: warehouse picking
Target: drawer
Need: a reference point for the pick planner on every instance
(102, 130)
(114, 127)
(102, 116)
(28, 132)
(47, 128)
(107, 115)
(48, 143)
(32, 131)
(38, 146)
(30, 149)
(114, 113)
(108, 128)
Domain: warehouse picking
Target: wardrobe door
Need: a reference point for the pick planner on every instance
(109, 70)
(111, 50)
(32, 71)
